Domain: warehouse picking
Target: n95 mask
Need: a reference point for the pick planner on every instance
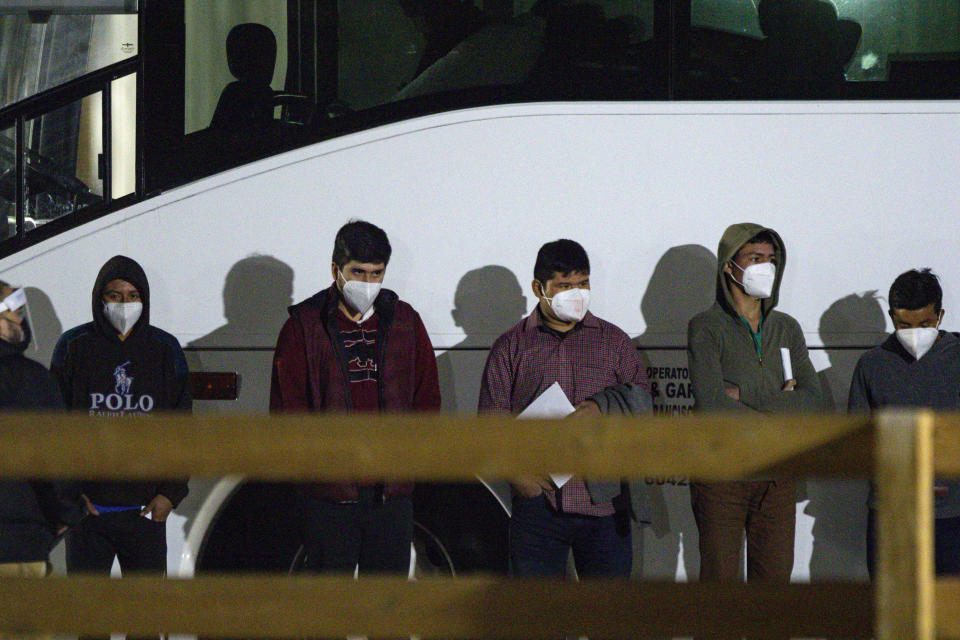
(758, 279)
(122, 315)
(360, 295)
(919, 340)
(570, 305)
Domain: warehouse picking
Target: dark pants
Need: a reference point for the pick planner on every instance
(139, 543)
(766, 511)
(541, 539)
(374, 534)
(946, 535)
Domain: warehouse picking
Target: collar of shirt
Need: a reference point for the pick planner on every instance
(366, 316)
(756, 335)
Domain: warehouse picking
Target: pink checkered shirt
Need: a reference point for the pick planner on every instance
(530, 357)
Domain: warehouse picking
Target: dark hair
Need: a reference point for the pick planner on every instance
(361, 241)
(916, 289)
(763, 236)
(560, 256)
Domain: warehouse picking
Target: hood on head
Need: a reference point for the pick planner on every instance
(733, 239)
(120, 268)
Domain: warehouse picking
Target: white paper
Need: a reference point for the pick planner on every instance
(787, 365)
(552, 403)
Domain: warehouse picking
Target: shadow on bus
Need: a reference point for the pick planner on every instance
(682, 285)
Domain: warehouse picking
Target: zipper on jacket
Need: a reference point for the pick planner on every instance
(756, 347)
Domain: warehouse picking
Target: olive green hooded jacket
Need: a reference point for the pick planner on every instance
(723, 352)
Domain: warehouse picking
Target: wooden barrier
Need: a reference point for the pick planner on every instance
(948, 609)
(904, 481)
(946, 444)
(470, 607)
(431, 447)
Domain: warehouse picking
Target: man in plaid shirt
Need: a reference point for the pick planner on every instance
(562, 342)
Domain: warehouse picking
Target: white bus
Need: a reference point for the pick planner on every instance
(470, 185)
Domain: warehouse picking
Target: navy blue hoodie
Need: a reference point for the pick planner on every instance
(889, 376)
(132, 378)
(30, 510)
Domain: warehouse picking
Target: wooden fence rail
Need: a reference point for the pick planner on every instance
(469, 607)
(432, 447)
(901, 450)
(948, 608)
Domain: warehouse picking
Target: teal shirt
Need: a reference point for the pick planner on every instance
(756, 335)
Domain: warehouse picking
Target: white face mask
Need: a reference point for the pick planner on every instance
(122, 315)
(359, 295)
(570, 305)
(758, 279)
(919, 340)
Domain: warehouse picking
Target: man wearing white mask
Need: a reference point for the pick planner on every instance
(562, 342)
(120, 365)
(355, 347)
(747, 357)
(918, 366)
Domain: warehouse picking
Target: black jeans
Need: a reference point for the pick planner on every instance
(139, 543)
(374, 534)
(541, 539)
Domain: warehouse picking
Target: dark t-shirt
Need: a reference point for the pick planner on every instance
(360, 344)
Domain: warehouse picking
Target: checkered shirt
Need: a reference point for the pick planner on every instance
(530, 357)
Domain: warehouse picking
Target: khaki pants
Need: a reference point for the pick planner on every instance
(763, 511)
(24, 570)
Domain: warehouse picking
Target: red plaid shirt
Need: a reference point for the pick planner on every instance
(530, 357)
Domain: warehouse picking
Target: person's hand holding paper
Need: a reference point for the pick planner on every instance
(552, 403)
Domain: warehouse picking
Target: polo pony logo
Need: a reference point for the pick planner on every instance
(121, 401)
(123, 381)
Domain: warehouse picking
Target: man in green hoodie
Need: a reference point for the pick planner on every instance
(738, 363)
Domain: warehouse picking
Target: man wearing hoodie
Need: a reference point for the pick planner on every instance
(355, 347)
(32, 513)
(736, 366)
(918, 366)
(120, 365)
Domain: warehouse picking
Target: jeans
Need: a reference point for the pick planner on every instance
(374, 534)
(139, 543)
(541, 539)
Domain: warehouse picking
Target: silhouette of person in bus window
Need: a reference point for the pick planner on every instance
(805, 41)
(249, 100)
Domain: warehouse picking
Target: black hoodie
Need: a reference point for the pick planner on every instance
(106, 376)
(31, 510)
